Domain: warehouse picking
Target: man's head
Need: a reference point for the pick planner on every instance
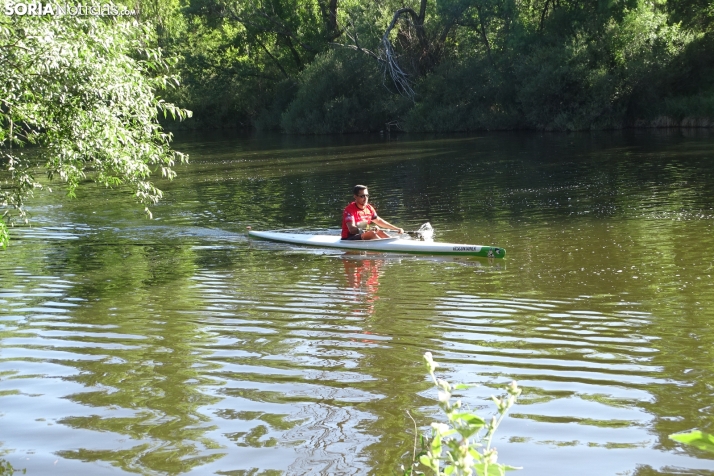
(361, 194)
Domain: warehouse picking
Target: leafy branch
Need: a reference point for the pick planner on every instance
(86, 91)
(457, 448)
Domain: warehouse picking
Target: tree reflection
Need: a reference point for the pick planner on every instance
(140, 358)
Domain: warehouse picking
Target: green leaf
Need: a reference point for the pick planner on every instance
(436, 446)
(4, 235)
(696, 438)
(475, 454)
(490, 470)
(469, 431)
(426, 461)
(511, 468)
(470, 418)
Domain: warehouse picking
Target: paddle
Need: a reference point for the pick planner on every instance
(425, 232)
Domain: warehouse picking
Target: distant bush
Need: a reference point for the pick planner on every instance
(488, 65)
(567, 87)
(462, 96)
(340, 91)
(682, 94)
(218, 102)
(580, 81)
(269, 117)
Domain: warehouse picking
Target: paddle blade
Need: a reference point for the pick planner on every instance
(426, 232)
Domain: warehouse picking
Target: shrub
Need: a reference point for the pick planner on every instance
(340, 91)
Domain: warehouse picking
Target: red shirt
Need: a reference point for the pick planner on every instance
(352, 212)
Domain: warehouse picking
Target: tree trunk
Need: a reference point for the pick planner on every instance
(328, 8)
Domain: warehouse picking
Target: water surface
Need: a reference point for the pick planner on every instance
(177, 345)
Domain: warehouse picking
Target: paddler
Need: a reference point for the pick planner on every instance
(359, 214)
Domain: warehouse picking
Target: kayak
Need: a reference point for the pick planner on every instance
(390, 245)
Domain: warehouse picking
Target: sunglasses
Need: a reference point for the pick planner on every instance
(363, 196)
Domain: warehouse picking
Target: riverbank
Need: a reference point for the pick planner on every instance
(394, 127)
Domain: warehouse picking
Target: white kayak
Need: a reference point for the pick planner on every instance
(392, 245)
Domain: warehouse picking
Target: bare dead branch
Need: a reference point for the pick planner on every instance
(391, 66)
(356, 44)
(361, 50)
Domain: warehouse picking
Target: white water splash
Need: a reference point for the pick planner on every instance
(426, 232)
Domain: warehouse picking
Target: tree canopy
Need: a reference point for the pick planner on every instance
(85, 91)
(446, 65)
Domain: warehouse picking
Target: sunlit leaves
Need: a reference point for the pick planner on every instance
(85, 90)
(4, 235)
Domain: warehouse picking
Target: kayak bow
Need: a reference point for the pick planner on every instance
(390, 245)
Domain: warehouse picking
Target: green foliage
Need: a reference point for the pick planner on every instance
(687, 110)
(582, 82)
(6, 469)
(696, 14)
(164, 15)
(226, 79)
(682, 92)
(241, 57)
(456, 448)
(464, 96)
(321, 67)
(696, 438)
(4, 235)
(341, 91)
(85, 89)
(269, 117)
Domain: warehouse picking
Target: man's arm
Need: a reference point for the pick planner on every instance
(382, 222)
(351, 226)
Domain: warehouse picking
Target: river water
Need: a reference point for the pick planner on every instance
(178, 346)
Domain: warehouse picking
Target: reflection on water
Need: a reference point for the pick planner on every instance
(363, 277)
(178, 346)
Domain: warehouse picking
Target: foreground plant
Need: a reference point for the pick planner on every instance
(6, 469)
(458, 447)
(4, 235)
